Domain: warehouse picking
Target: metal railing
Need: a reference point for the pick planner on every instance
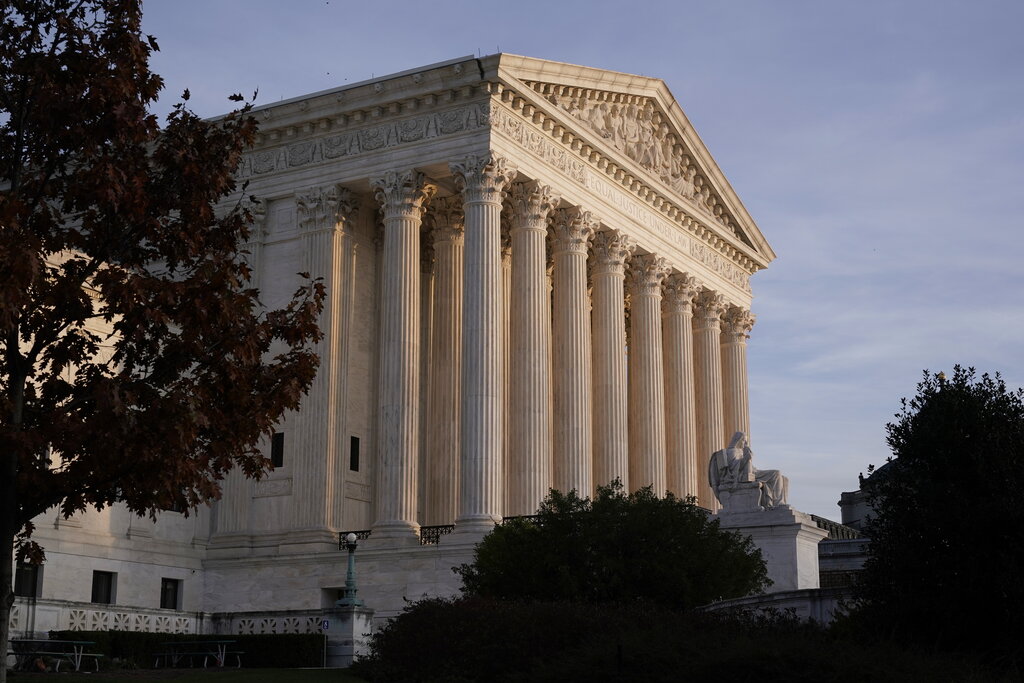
(361, 535)
(431, 535)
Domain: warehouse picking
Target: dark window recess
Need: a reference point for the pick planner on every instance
(353, 454)
(277, 449)
(170, 593)
(26, 580)
(103, 587)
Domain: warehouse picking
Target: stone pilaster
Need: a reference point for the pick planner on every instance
(646, 374)
(443, 405)
(736, 326)
(403, 196)
(708, 308)
(233, 507)
(571, 231)
(609, 253)
(482, 180)
(529, 430)
(680, 396)
(313, 456)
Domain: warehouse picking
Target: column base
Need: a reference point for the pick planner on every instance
(394, 534)
(478, 525)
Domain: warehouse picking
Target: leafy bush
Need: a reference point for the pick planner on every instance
(481, 639)
(616, 547)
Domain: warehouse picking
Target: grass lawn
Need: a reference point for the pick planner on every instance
(200, 676)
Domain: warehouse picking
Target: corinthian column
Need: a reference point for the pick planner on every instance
(736, 326)
(324, 221)
(646, 374)
(680, 397)
(482, 179)
(611, 392)
(571, 230)
(708, 360)
(529, 429)
(445, 369)
(403, 196)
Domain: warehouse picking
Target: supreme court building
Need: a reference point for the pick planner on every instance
(537, 277)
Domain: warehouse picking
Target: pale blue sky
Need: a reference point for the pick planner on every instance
(879, 145)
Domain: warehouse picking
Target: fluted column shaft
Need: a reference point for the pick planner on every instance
(482, 180)
(736, 326)
(312, 455)
(572, 230)
(646, 374)
(529, 430)
(506, 365)
(680, 397)
(708, 365)
(443, 404)
(403, 196)
(610, 251)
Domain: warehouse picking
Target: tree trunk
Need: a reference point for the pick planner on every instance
(6, 596)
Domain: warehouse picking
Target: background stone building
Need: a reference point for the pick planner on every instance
(537, 277)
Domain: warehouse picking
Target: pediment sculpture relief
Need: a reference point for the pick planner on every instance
(635, 127)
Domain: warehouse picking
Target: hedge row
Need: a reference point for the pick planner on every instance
(138, 649)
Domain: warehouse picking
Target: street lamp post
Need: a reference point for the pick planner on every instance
(349, 598)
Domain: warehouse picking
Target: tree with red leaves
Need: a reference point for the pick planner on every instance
(136, 362)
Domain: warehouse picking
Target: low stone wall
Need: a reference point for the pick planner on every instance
(810, 604)
(33, 618)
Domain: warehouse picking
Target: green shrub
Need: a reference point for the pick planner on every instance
(479, 639)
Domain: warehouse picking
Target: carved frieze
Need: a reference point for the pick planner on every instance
(367, 139)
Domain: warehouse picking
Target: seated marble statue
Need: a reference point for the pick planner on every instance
(731, 467)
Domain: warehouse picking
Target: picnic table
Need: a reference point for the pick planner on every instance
(27, 650)
(177, 651)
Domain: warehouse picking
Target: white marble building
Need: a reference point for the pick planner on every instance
(538, 277)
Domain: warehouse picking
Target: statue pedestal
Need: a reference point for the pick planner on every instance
(347, 630)
(742, 497)
(788, 541)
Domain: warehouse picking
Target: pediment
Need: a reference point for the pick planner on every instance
(638, 119)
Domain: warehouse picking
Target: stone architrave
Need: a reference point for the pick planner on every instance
(403, 196)
(708, 309)
(736, 326)
(609, 253)
(443, 405)
(325, 218)
(529, 428)
(646, 374)
(482, 180)
(680, 396)
(571, 231)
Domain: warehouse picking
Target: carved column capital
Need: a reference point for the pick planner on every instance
(447, 219)
(331, 207)
(680, 290)
(572, 229)
(403, 194)
(645, 274)
(708, 308)
(737, 323)
(531, 204)
(610, 250)
(257, 218)
(482, 178)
